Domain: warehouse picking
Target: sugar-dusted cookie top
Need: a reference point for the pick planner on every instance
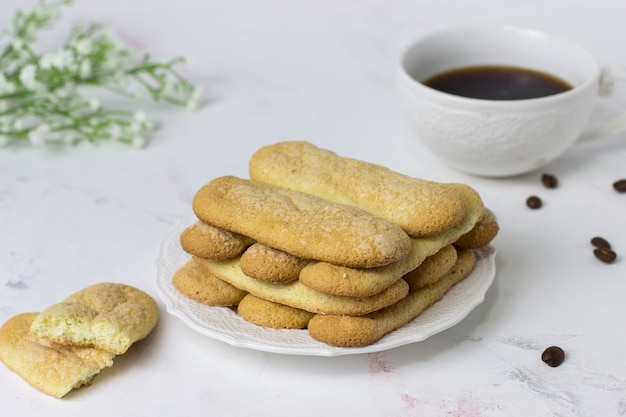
(420, 207)
(107, 316)
(301, 224)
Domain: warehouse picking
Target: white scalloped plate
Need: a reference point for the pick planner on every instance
(223, 323)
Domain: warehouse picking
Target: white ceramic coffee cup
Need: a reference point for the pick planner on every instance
(499, 138)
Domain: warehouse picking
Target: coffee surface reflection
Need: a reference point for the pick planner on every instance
(497, 83)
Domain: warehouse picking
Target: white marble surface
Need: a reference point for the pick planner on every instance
(324, 72)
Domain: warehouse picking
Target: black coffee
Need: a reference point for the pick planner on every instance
(497, 83)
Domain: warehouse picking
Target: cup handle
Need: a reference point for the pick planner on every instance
(608, 77)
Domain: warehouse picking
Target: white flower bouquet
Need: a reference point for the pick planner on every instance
(41, 93)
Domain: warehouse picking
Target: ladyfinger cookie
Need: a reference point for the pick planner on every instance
(432, 269)
(347, 331)
(270, 314)
(193, 280)
(272, 265)
(363, 282)
(342, 280)
(301, 224)
(296, 295)
(207, 241)
(482, 234)
(339, 280)
(420, 207)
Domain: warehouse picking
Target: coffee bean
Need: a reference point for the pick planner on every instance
(553, 356)
(600, 242)
(605, 255)
(549, 181)
(533, 202)
(620, 186)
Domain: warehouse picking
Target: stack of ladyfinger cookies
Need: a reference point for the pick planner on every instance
(344, 248)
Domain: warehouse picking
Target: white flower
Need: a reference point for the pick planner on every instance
(83, 46)
(54, 111)
(67, 90)
(94, 104)
(6, 86)
(27, 76)
(118, 79)
(115, 132)
(18, 123)
(85, 69)
(137, 127)
(17, 44)
(60, 58)
(141, 122)
(149, 124)
(47, 59)
(139, 116)
(194, 100)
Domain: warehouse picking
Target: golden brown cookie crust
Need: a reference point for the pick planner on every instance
(197, 283)
(347, 331)
(340, 280)
(207, 241)
(269, 314)
(271, 265)
(50, 367)
(432, 269)
(482, 234)
(420, 207)
(296, 295)
(301, 224)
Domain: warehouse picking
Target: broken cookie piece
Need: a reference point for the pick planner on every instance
(50, 367)
(106, 316)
